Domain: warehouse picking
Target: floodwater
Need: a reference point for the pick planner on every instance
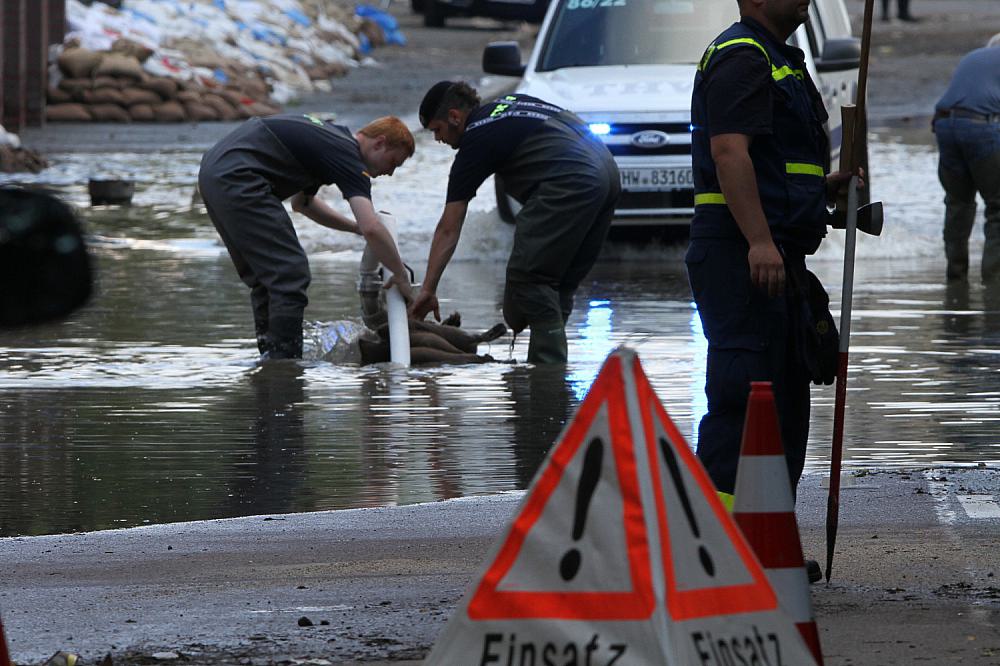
(148, 405)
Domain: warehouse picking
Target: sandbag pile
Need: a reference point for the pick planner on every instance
(113, 86)
(193, 60)
(16, 159)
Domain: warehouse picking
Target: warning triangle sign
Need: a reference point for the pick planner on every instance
(620, 553)
(589, 557)
(708, 566)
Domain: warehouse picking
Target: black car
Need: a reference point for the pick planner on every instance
(436, 11)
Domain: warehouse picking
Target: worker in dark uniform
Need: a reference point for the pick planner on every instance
(759, 150)
(245, 178)
(567, 182)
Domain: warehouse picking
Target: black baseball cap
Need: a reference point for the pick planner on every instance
(432, 101)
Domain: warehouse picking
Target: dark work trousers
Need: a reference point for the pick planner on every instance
(558, 236)
(969, 162)
(243, 181)
(748, 341)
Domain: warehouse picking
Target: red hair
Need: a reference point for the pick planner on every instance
(397, 134)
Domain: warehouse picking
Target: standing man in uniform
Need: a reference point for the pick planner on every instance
(567, 182)
(759, 150)
(245, 178)
(967, 127)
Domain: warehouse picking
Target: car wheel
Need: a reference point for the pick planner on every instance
(506, 206)
(433, 14)
(417, 6)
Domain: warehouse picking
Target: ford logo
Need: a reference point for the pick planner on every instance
(650, 139)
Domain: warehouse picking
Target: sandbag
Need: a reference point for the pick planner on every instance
(141, 112)
(253, 88)
(57, 96)
(189, 97)
(223, 108)
(169, 112)
(130, 48)
(262, 109)
(132, 96)
(109, 113)
(104, 96)
(78, 62)
(165, 87)
(67, 113)
(243, 112)
(73, 86)
(234, 98)
(20, 160)
(116, 64)
(109, 82)
(200, 112)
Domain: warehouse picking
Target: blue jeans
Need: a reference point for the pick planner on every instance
(969, 163)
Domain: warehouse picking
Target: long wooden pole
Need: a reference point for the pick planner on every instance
(855, 131)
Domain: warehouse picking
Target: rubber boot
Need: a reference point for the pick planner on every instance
(284, 339)
(547, 343)
(957, 255)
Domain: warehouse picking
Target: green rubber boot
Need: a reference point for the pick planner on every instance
(547, 343)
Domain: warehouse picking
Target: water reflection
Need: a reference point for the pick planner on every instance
(543, 398)
(148, 406)
(271, 475)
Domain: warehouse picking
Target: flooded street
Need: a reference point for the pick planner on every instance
(148, 406)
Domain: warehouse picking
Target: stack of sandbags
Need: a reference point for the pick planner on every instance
(16, 159)
(112, 86)
(290, 45)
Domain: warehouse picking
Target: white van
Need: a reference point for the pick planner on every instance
(627, 67)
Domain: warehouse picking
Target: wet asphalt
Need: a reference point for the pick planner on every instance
(914, 579)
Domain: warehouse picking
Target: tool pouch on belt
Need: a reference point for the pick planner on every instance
(813, 333)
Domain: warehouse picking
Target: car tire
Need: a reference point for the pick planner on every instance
(506, 207)
(433, 14)
(417, 6)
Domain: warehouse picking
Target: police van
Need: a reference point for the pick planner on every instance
(627, 68)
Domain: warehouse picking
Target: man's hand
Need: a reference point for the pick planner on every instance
(838, 181)
(767, 268)
(425, 302)
(405, 290)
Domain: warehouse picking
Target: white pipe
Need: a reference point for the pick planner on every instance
(399, 326)
(850, 240)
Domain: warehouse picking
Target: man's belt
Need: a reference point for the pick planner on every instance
(956, 112)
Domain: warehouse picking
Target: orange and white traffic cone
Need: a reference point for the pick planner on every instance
(765, 511)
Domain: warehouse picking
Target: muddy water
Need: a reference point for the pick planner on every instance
(148, 406)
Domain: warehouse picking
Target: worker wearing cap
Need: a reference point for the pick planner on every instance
(566, 181)
(245, 178)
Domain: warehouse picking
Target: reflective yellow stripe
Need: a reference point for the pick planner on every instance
(709, 198)
(742, 40)
(778, 74)
(804, 168)
(726, 499)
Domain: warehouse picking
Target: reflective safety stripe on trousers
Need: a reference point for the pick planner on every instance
(777, 73)
(799, 168)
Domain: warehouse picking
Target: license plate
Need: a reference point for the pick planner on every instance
(665, 178)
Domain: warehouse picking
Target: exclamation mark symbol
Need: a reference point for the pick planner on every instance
(675, 474)
(569, 565)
